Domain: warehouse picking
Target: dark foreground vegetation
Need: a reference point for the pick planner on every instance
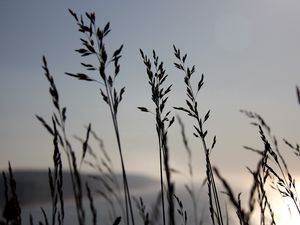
(271, 168)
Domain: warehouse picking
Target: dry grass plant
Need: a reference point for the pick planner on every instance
(93, 44)
(157, 77)
(191, 109)
(271, 168)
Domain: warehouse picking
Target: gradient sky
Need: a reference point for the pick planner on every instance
(249, 52)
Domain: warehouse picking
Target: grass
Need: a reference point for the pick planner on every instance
(191, 109)
(271, 170)
(93, 44)
(157, 78)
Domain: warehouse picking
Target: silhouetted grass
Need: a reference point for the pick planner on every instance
(271, 169)
(60, 139)
(12, 210)
(103, 165)
(191, 109)
(157, 77)
(93, 44)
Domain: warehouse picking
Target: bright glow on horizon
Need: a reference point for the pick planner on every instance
(285, 210)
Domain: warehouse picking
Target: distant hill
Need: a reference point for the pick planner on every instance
(33, 186)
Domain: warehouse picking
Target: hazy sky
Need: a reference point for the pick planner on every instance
(249, 52)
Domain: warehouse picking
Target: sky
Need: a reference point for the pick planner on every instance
(248, 51)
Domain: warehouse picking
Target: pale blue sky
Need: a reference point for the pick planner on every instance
(249, 52)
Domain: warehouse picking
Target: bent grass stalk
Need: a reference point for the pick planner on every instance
(274, 165)
(107, 177)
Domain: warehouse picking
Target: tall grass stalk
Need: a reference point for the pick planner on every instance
(59, 120)
(157, 77)
(56, 181)
(93, 44)
(200, 132)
